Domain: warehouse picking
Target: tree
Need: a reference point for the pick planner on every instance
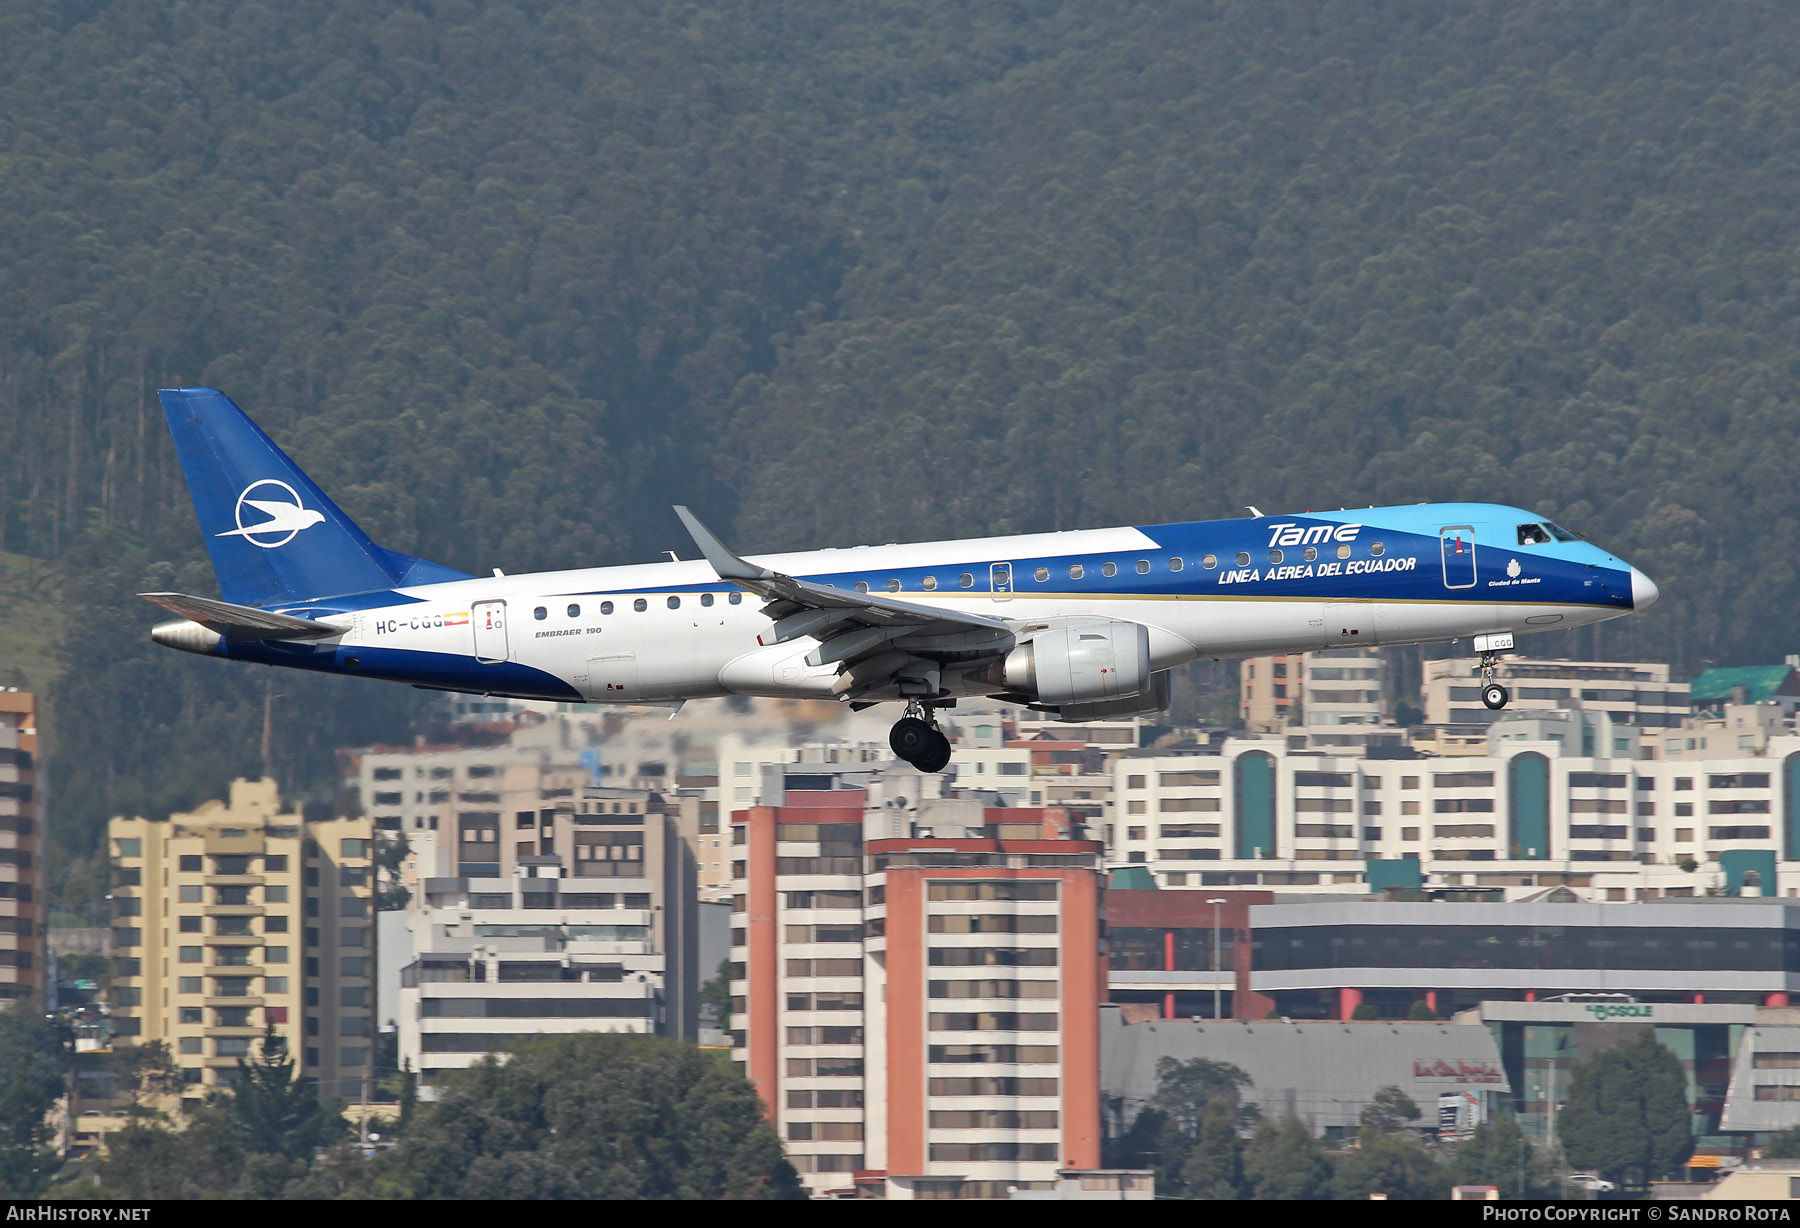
(715, 996)
(1784, 1145)
(1215, 1167)
(1421, 1011)
(31, 1079)
(1184, 1090)
(1394, 1164)
(1286, 1162)
(1498, 1153)
(1390, 1110)
(590, 1115)
(275, 1113)
(1627, 1114)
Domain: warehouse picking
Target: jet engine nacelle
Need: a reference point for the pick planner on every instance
(1081, 661)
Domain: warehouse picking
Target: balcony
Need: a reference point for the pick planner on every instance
(232, 880)
(217, 1000)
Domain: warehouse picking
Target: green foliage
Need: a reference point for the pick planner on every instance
(1215, 1167)
(1420, 1011)
(257, 1139)
(1363, 1012)
(1627, 1114)
(1390, 1110)
(1498, 1153)
(1395, 1164)
(590, 1115)
(1286, 1162)
(715, 995)
(1784, 1145)
(1184, 1090)
(31, 1059)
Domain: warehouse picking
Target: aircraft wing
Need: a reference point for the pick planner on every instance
(872, 638)
(242, 622)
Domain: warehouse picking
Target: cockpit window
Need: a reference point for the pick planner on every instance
(1533, 535)
(1562, 534)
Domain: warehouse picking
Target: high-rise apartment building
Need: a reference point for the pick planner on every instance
(21, 849)
(577, 916)
(919, 1011)
(1268, 688)
(239, 917)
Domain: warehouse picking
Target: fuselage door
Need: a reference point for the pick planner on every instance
(1000, 581)
(1456, 543)
(488, 618)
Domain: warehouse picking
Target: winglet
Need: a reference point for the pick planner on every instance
(728, 565)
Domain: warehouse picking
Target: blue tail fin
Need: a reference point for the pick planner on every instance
(272, 534)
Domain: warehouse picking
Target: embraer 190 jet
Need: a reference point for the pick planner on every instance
(1084, 624)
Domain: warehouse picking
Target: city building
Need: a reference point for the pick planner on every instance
(1268, 688)
(595, 890)
(1631, 692)
(916, 983)
(1559, 799)
(1542, 1042)
(1179, 954)
(496, 960)
(22, 916)
(240, 916)
(1321, 1074)
(1322, 959)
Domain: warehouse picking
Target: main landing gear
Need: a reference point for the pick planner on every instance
(915, 738)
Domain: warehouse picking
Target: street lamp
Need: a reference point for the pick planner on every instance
(1215, 902)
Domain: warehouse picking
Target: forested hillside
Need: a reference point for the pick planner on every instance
(511, 278)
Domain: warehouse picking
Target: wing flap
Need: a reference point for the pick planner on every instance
(870, 637)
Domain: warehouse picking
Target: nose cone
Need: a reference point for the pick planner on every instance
(1643, 590)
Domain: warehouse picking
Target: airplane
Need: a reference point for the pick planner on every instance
(1084, 624)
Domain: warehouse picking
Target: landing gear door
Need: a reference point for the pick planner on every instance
(488, 618)
(1456, 544)
(1000, 581)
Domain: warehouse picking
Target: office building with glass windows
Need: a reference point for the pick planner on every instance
(240, 917)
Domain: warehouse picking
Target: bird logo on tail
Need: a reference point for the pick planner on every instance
(284, 519)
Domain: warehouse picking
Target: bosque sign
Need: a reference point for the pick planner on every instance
(1615, 1010)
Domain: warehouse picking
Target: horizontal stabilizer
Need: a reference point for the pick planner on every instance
(242, 622)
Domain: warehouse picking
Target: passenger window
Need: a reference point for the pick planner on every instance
(1275, 556)
(674, 603)
(1344, 552)
(965, 581)
(1175, 564)
(1243, 558)
(640, 605)
(893, 586)
(1533, 535)
(1209, 561)
(862, 586)
(1076, 571)
(929, 584)
(1041, 575)
(606, 607)
(706, 598)
(1309, 554)
(1143, 567)
(1377, 549)
(540, 613)
(735, 599)
(574, 611)
(1108, 570)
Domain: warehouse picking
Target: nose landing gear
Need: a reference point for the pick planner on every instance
(915, 738)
